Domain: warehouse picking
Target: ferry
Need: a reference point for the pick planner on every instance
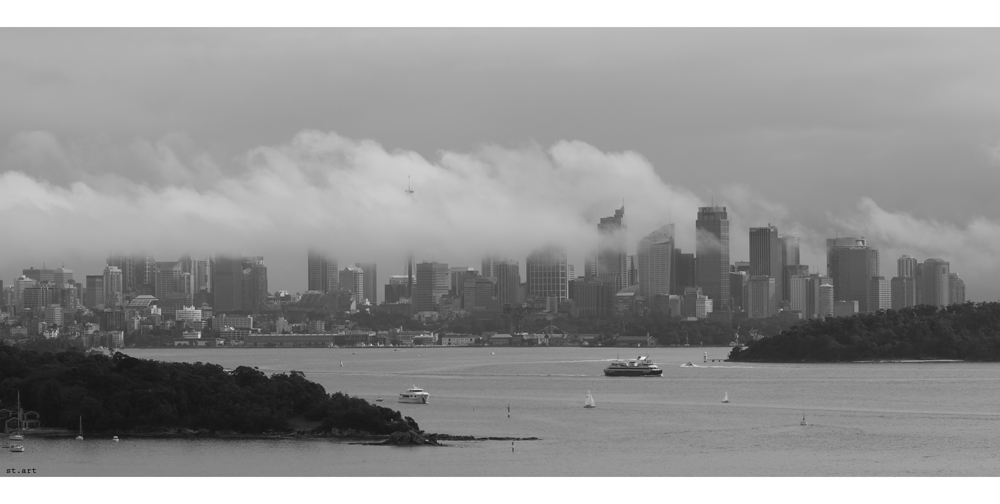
(414, 395)
(640, 366)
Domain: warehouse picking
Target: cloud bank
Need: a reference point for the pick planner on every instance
(73, 202)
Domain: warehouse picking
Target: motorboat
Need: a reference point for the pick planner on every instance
(414, 395)
(640, 366)
(114, 438)
(688, 364)
(17, 448)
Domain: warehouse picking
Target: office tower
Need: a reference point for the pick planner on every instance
(593, 298)
(94, 298)
(489, 266)
(612, 253)
(741, 266)
(125, 264)
(508, 282)
(371, 281)
(254, 287)
(695, 303)
(737, 290)
(113, 296)
(843, 308)
(712, 239)
(144, 271)
(172, 287)
(431, 284)
(766, 251)
(38, 296)
(684, 273)
(935, 282)
(633, 270)
(322, 273)
(62, 276)
(879, 294)
(825, 301)
(956, 289)
(851, 263)
(39, 275)
(227, 283)
(906, 266)
(590, 265)
(395, 290)
(20, 284)
(458, 276)
(762, 296)
(790, 250)
(352, 278)
(656, 256)
(546, 273)
(788, 272)
(479, 295)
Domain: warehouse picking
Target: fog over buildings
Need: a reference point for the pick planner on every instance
(271, 143)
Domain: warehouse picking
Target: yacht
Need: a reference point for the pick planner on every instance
(17, 448)
(414, 395)
(640, 366)
(18, 434)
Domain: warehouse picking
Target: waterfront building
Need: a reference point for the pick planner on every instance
(187, 314)
(712, 247)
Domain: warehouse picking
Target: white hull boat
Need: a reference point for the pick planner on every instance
(414, 395)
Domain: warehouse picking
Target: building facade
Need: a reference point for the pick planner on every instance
(712, 248)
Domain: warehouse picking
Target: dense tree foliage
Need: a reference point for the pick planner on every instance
(968, 331)
(124, 394)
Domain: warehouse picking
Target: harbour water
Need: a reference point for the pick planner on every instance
(887, 419)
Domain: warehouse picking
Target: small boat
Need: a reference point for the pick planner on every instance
(114, 438)
(589, 403)
(79, 437)
(17, 434)
(688, 364)
(640, 366)
(341, 363)
(17, 448)
(378, 400)
(803, 422)
(725, 398)
(414, 395)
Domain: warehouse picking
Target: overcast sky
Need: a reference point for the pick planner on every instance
(265, 142)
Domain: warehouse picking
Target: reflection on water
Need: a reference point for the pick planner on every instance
(885, 419)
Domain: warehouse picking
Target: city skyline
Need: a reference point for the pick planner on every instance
(197, 172)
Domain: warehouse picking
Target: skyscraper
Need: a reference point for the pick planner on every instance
(903, 287)
(712, 247)
(956, 289)
(851, 264)
(879, 294)
(352, 278)
(370, 281)
(656, 261)
(766, 252)
(508, 282)
(113, 296)
(612, 252)
(546, 273)
(685, 272)
(94, 297)
(789, 263)
(126, 264)
(254, 284)
(762, 297)
(935, 273)
(227, 283)
(322, 272)
(431, 283)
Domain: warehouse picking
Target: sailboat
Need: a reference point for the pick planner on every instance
(17, 435)
(725, 398)
(803, 422)
(589, 403)
(341, 363)
(80, 436)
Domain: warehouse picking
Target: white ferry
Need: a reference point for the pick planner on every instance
(640, 366)
(414, 395)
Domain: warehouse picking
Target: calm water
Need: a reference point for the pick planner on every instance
(864, 419)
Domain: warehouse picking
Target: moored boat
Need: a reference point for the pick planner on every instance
(640, 366)
(414, 395)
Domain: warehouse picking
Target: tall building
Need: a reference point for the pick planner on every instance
(254, 284)
(766, 252)
(592, 297)
(479, 295)
(39, 275)
(851, 263)
(685, 272)
(712, 247)
(94, 297)
(489, 266)
(790, 250)
(879, 294)
(738, 281)
(825, 301)
(508, 282)
(62, 276)
(656, 258)
(144, 272)
(113, 295)
(788, 272)
(396, 289)
(546, 273)
(612, 252)
(352, 278)
(172, 287)
(935, 273)
(459, 274)
(762, 296)
(906, 266)
(956, 289)
(370, 281)
(322, 274)
(903, 287)
(431, 283)
(20, 284)
(125, 264)
(227, 283)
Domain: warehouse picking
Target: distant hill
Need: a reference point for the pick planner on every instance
(969, 331)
